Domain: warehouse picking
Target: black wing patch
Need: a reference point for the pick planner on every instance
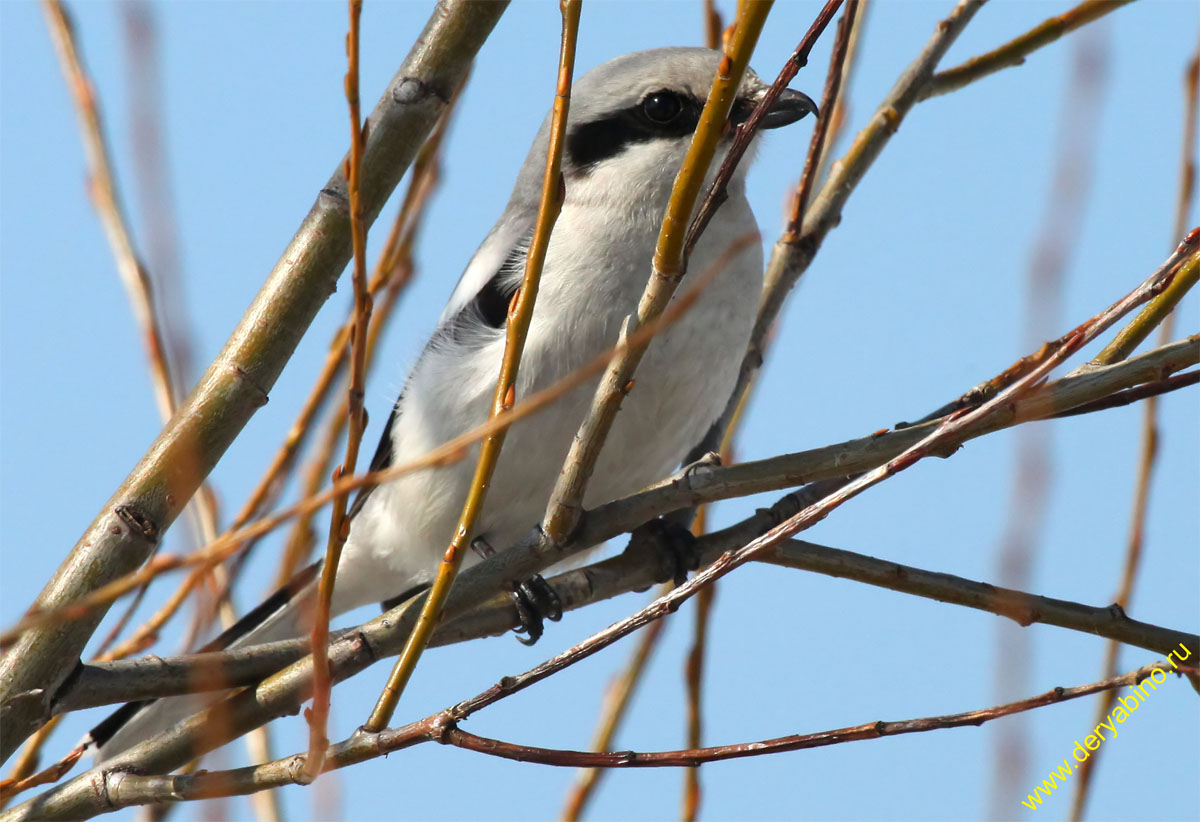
(381, 460)
(106, 730)
(489, 306)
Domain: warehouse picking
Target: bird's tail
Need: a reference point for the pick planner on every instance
(278, 617)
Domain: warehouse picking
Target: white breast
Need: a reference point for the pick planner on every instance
(596, 268)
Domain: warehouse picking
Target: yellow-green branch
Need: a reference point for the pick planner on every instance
(1014, 52)
(520, 313)
(1132, 335)
(339, 526)
(566, 503)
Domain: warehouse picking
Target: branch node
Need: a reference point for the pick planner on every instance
(138, 522)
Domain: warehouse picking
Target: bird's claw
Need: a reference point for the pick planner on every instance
(675, 545)
(535, 601)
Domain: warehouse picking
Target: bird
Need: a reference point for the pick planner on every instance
(630, 123)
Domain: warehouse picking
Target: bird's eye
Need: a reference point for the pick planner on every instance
(662, 107)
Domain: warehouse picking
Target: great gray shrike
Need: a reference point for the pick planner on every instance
(630, 124)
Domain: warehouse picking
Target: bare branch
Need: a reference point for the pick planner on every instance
(870, 730)
(356, 421)
(820, 135)
(789, 260)
(520, 315)
(1148, 452)
(617, 698)
(236, 384)
(116, 789)
(668, 268)
(1014, 52)
(717, 193)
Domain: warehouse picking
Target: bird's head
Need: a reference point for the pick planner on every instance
(632, 119)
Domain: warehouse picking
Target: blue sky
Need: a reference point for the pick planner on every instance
(917, 295)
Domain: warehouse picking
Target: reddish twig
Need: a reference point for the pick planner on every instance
(339, 525)
(1014, 52)
(120, 790)
(11, 787)
(1033, 471)
(617, 698)
(1149, 431)
(445, 454)
(820, 135)
(871, 730)
(716, 193)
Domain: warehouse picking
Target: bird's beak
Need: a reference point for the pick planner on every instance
(789, 107)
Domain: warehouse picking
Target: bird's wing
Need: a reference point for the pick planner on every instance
(482, 295)
(491, 260)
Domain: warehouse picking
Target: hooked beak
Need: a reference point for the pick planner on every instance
(789, 107)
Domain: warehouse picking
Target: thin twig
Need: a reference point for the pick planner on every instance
(445, 454)
(712, 25)
(103, 192)
(694, 664)
(520, 314)
(11, 787)
(115, 789)
(617, 517)
(667, 269)
(393, 272)
(871, 730)
(129, 526)
(26, 764)
(339, 525)
(789, 260)
(820, 135)
(1033, 471)
(717, 194)
(1148, 451)
(839, 113)
(694, 678)
(1014, 52)
(617, 698)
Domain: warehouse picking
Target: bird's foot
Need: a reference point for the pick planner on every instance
(536, 602)
(674, 545)
(534, 599)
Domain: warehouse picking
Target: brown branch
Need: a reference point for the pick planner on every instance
(820, 135)
(717, 194)
(667, 270)
(694, 677)
(1149, 432)
(102, 189)
(520, 316)
(13, 786)
(356, 421)
(18, 778)
(149, 677)
(114, 789)
(1014, 52)
(871, 730)
(617, 698)
(131, 523)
